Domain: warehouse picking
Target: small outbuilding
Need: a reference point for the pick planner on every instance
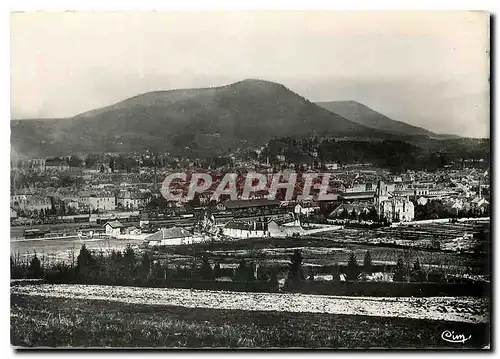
(113, 229)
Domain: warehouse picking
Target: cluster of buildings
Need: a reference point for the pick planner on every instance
(358, 191)
(397, 198)
(31, 202)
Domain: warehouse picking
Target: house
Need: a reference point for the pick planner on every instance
(305, 208)
(170, 237)
(131, 200)
(56, 166)
(37, 204)
(100, 201)
(13, 213)
(144, 220)
(455, 204)
(71, 204)
(478, 201)
(38, 164)
(18, 200)
(480, 205)
(20, 197)
(113, 229)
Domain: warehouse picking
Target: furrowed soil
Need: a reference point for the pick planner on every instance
(38, 321)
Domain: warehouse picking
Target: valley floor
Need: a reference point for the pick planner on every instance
(61, 322)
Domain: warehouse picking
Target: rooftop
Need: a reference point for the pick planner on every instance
(251, 203)
(168, 233)
(114, 224)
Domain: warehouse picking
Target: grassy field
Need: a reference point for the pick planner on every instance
(38, 321)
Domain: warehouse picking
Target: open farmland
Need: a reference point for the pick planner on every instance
(79, 322)
(318, 252)
(319, 256)
(444, 236)
(464, 309)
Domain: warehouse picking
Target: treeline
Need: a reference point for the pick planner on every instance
(131, 270)
(128, 266)
(436, 209)
(394, 154)
(404, 271)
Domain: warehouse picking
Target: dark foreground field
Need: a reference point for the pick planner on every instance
(51, 322)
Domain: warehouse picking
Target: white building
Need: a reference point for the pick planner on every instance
(305, 208)
(131, 200)
(113, 229)
(101, 201)
(170, 237)
(331, 166)
(277, 226)
(392, 208)
(18, 200)
(397, 209)
(34, 203)
(56, 166)
(241, 230)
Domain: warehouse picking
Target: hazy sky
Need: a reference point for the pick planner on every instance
(427, 69)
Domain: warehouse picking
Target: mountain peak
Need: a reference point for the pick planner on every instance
(257, 81)
(251, 82)
(208, 121)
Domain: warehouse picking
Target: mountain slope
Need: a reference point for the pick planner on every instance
(206, 121)
(364, 115)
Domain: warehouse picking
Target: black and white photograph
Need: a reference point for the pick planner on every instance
(250, 179)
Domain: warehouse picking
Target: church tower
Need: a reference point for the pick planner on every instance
(380, 196)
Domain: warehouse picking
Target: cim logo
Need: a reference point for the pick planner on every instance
(451, 337)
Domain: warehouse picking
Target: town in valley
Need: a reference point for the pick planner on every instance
(332, 192)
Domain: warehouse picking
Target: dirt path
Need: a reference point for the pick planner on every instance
(461, 309)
